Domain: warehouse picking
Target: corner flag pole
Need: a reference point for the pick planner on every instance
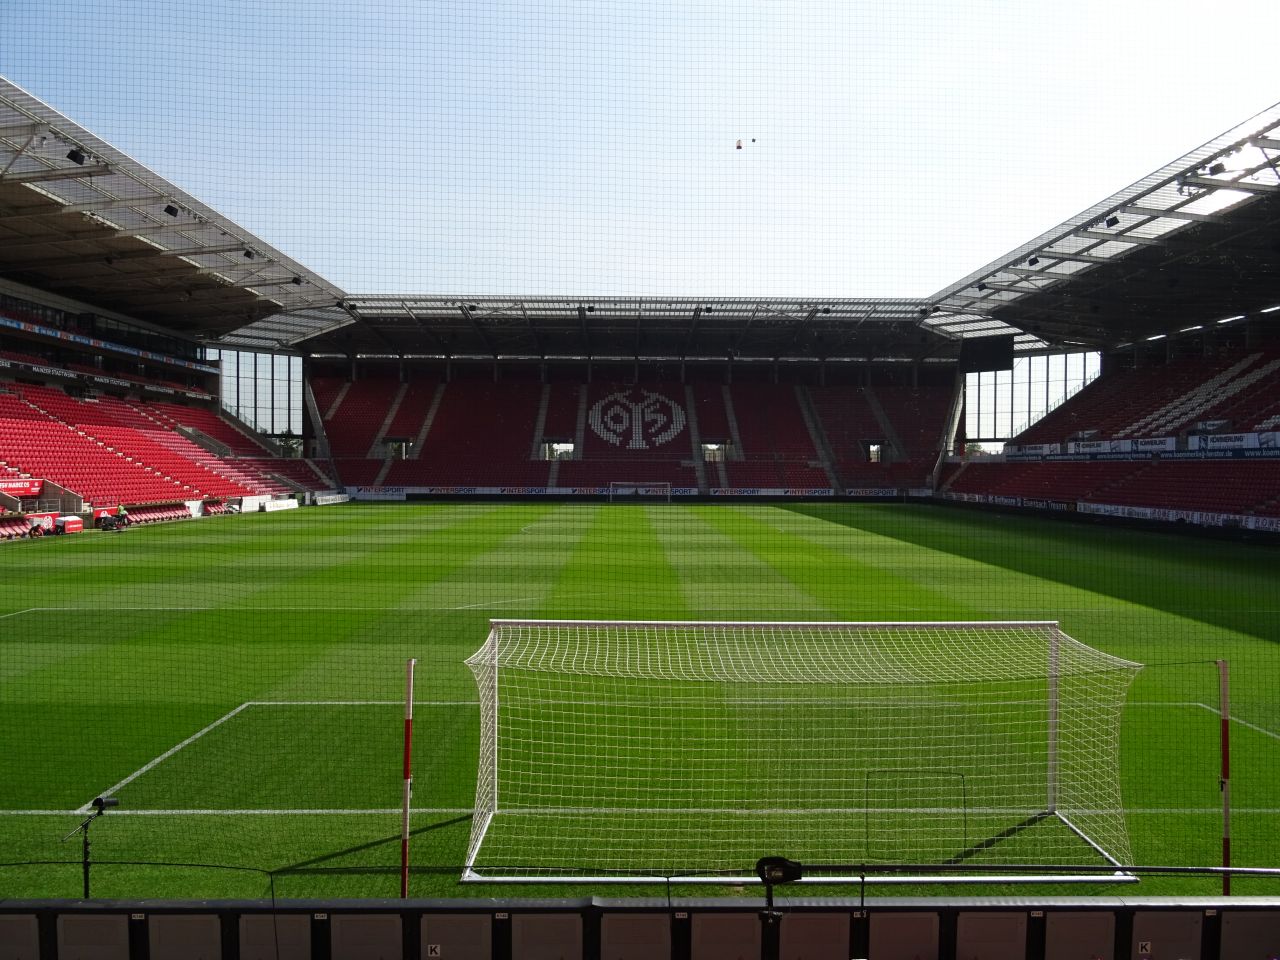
(408, 778)
(1224, 721)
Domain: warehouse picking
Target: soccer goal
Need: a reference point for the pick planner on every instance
(634, 492)
(638, 751)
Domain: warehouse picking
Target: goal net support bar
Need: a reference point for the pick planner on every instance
(648, 751)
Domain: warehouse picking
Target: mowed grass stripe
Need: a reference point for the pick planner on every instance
(720, 580)
(618, 570)
(854, 580)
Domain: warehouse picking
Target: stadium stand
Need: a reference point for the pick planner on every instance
(156, 514)
(300, 473)
(411, 415)
(1226, 486)
(40, 446)
(12, 526)
(114, 451)
(174, 415)
(777, 448)
(909, 434)
(620, 445)
(482, 435)
(1242, 387)
(561, 421)
(359, 415)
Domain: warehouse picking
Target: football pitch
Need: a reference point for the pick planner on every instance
(238, 683)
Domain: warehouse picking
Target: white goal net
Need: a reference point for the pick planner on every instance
(640, 750)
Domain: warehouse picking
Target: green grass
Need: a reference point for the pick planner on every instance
(283, 637)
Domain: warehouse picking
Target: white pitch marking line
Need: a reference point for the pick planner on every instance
(1244, 723)
(361, 703)
(271, 812)
(492, 603)
(390, 811)
(254, 608)
(163, 757)
(1204, 706)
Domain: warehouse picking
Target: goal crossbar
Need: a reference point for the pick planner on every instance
(653, 751)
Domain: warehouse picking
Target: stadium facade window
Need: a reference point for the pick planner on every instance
(1000, 404)
(262, 389)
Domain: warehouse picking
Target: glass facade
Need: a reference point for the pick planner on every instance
(1000, 404)
(262, 389)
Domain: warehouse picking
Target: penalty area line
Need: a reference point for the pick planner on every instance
(258, 608)
(457, 811)
(1204, 706)
(163, 757)
(266, 812)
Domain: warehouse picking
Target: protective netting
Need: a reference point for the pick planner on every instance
(653, 749)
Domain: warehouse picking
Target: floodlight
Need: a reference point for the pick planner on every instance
(1112, 220)
(76, 156)
(170, 209)
(1033, 261)
(981, 287)
(1217, 168)
(248, 254)
(297, 281)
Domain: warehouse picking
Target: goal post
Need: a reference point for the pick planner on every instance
(629, 491)
(640, 751)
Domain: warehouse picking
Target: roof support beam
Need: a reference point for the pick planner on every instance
(1122, 238)
(153, 228)
(29, 132)
(586, 335)
(20, 130)
(90, 206)
(1266, 143)
(694, 321)
(1077, 257)
(58, 173)
(1155, 213)
(741, 338)
(372, 328)
(444, 347)
(475, 325)
(1246, 186)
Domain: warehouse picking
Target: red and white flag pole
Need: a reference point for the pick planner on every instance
(408, 778)
(1224, 724)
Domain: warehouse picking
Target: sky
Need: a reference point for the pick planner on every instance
(586, 148)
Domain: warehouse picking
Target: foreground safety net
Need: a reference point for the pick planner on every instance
(635, 750)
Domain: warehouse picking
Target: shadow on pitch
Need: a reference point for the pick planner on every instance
(316, 864)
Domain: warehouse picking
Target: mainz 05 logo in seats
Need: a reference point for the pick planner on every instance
(636, 419)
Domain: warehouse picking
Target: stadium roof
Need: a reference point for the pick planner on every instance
(1195, 242)
(80, 217)
(649, 328)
